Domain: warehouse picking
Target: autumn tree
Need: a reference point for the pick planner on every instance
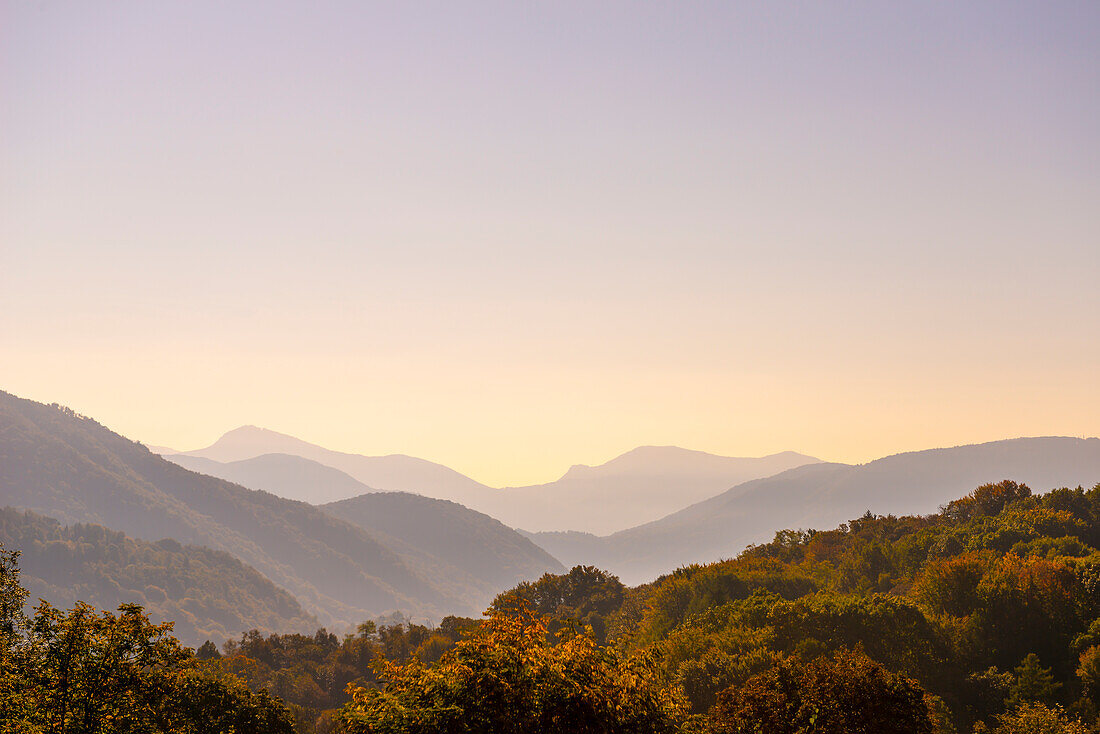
(1035, 718)
(506, 678)
(81, 671)
(843, 694)
(586, 595)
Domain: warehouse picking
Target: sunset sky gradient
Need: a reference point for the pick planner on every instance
(510, 237)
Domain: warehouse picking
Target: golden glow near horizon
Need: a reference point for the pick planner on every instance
(511, 239)
(524, 423)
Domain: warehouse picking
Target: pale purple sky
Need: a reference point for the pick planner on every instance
(515, 236)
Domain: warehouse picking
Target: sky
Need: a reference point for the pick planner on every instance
(512, 237)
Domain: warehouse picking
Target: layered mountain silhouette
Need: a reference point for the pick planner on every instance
(62, 465)
(348, 558)
(393, 473)
(289, 476)
(639, 486)
(636, 487)
(207, 594)
(450, 544)
(822, 496)
(454, 546)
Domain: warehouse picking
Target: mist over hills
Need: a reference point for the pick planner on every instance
(459, 549)
(824, 495)
(641, 485)
(285, 475)
(456, 545)
(636, 487)
(376, 552)
(57, 463)
(207, 594)
(393, 473)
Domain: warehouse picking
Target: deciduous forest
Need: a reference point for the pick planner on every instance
(984, 617)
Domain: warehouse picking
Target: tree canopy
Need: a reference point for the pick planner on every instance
(85, 671)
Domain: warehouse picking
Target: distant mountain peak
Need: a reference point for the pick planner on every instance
(248, 442)
(250, 431)
(389, 473)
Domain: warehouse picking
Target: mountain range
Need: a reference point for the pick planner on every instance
(206, 540)
(393, 473)
(639, 486)
(458, 549)
(823, 495)
(68, 467)
(286, 475)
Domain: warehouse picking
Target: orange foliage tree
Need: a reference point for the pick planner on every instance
(506, 678)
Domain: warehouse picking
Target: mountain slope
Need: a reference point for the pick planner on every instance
(457, 549)
(452, 544)
(66, 466)
(208, 594)
(641, 485)
(285, 475)
(394, 473)
(823, 495)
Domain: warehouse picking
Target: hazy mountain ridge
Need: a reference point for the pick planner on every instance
(638, 486)
(62, 465)
(456, 545)
(285, 475)
(393, 473)
(641, 485)
(466, 553)
(208, 594)
(823, 495)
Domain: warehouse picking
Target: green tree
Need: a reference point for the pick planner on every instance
(14, 702)
(1034, 683)
(1089, 673)
(988, 499)
(586, 595)
(207, 651)
(86, 672)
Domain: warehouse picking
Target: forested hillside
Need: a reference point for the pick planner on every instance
(463, 552)
(822, 495)
(69, 467)
(452, 545)
(208, 594)
(982, 617)
(991, 605)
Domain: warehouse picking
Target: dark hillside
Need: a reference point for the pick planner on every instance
(454, 544)
(67, 466)
(208, 594)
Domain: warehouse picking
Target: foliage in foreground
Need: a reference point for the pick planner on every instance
(983, 618)
(991, 606)
(83, 671)
(507, 678)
